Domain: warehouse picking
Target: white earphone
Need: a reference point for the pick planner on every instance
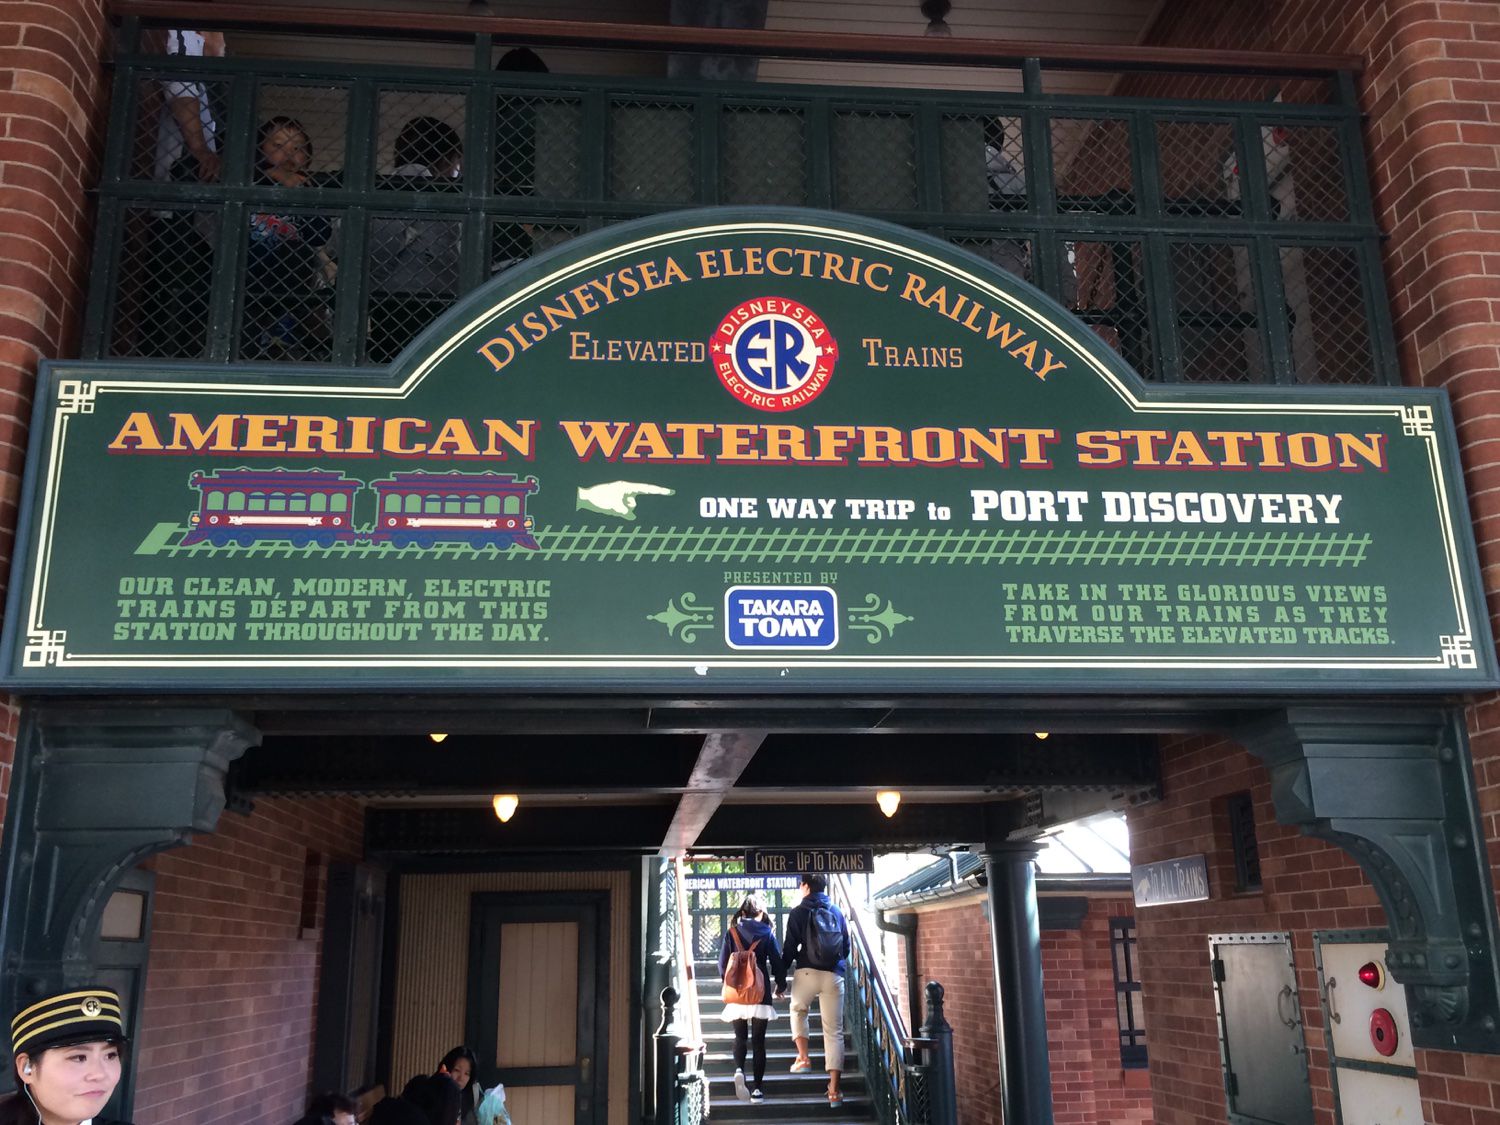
(26, 1069)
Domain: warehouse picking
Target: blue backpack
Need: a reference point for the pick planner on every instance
(825, 937)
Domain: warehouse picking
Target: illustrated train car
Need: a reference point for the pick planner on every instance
(316, 506)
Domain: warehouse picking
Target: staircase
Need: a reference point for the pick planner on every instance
(791, 1099)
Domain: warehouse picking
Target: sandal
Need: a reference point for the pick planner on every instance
(835, 1100)
(799, 1065)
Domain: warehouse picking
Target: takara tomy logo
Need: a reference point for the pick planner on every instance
(773, 353)
(805, 617)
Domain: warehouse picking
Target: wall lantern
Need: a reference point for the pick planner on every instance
(505, 806)
(889, 801)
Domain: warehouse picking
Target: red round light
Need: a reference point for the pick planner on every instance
(1372, 975)
(1383, 1034)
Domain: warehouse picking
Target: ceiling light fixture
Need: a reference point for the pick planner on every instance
(935, 10)
(1043, 735)
(889, 801)
(505, 806)
(438, 736)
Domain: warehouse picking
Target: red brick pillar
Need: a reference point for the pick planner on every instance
(53, 106)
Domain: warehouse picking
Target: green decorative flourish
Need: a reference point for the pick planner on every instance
(686, 623)
(888, 546)
(877, 623)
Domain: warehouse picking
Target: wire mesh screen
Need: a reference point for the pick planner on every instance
(514, 240)
(419, 140)
(1306, 175)
(1324, 290)
(1199, 167)
(651, 152)
(1105, 286)
(538, 146)
(166, 271)
(874, 161)
(1091, 166)
(763, 155)
(983, 163)
(175, 133)
(1012, 254)
(1218, 331)
(302, 129)
(413, 277)
(570, 155)
(287, 309)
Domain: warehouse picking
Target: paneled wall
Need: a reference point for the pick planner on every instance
(433, 967)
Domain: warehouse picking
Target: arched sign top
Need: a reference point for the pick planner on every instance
(731, 450)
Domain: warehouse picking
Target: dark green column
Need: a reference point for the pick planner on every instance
(1020, 1012)
(94, 793)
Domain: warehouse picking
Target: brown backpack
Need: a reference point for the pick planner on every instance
(744, 983)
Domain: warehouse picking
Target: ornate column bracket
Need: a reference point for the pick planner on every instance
(93, 794)
(1395, 790)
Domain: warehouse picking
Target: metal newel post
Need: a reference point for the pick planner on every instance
(942, 1087)
(667, 1040)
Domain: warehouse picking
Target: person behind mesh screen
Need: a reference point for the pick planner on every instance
(174, 315)
(515, 158)
(286, 254)
(414, 260)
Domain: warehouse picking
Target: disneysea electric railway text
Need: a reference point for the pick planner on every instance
(315, 507)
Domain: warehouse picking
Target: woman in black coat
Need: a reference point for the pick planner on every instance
(749, 927)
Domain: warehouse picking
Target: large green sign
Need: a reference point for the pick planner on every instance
(734, 451)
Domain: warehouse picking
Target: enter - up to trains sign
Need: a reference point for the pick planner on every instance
(730, 451)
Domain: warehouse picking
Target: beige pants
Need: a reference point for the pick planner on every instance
(828, 989)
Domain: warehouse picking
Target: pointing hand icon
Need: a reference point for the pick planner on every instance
(618, 497)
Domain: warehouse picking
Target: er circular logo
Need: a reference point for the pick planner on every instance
(91, 1007)
(773, 353)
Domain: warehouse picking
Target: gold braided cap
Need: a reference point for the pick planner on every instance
(68, 1017)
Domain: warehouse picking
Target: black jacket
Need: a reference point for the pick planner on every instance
(794, 948)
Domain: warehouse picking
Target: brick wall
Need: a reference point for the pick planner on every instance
(231, 987)
(1306, 886)
(1430, 91)
(52, 114)
(1088, 1084)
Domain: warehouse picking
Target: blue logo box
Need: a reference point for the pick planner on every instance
(781, 617)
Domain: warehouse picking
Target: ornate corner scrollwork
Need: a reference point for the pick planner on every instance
(75, 396)
(1457, 651)
(1395, 791)
(44, 648)
(1416, 421)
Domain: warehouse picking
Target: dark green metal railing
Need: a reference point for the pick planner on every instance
(911, 1078)
(1206, 240)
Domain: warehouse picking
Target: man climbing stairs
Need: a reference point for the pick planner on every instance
(790, 1099)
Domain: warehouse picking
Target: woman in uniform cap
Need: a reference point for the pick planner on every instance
(69, 1050)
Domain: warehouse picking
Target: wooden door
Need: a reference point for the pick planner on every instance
(538, 1005)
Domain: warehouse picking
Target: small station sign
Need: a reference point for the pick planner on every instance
(810, 861)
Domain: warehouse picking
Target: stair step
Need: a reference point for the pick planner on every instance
(811, 1082)
(800, 1107)
(775, 1055)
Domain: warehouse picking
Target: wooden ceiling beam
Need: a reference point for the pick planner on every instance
(927, 50)
(721, 760)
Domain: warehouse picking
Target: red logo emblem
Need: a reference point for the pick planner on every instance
(773, 353)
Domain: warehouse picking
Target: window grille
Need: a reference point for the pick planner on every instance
(1243, 843)
(1203, 238)
(1128, 1009)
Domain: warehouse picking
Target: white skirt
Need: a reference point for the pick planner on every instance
(734, 1012)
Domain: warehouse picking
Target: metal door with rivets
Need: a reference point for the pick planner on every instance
(1261, 1042)
(1367, 1029)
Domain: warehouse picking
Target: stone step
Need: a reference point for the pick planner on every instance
(800, 1107)
(779, 1083)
